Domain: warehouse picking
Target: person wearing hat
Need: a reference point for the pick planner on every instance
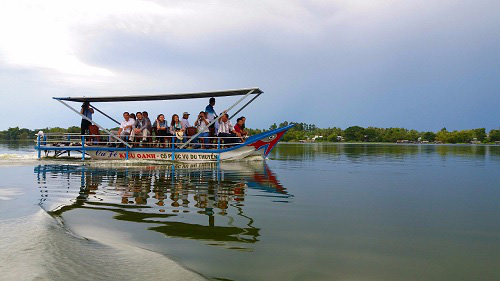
(184, 120)
(188, 130)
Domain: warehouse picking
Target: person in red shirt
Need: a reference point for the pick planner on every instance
(238, 128)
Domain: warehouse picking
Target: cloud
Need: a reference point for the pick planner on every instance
(333, 63)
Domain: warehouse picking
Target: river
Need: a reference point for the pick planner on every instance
(309, 212)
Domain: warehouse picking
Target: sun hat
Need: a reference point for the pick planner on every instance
(185, 113)
(179, 135)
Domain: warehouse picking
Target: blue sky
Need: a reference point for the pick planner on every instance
(414, 64)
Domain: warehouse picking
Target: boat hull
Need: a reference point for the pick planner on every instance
(180, 156)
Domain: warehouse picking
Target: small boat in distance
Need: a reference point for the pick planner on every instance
(103, 146)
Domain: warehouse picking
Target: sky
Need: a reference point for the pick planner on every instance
(418, 64)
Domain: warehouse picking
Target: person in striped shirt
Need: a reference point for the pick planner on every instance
(226, 130)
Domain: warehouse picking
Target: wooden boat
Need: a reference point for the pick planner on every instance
(255, 147)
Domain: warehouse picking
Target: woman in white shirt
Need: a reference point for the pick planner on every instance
(176, 126)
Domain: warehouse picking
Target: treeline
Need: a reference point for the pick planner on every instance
(27, 134)
(303, 131)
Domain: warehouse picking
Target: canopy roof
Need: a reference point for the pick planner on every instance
(173, 96)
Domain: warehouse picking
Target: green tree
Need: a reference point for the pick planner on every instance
(443, 135)
(494, 135)
(429, 136)
(372, 134)
(480, 134)
(354, 133)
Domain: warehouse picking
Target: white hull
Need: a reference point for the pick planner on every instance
(179, 156)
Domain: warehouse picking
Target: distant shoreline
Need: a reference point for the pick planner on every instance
(307, 133)
(24, 141)
(391, 143)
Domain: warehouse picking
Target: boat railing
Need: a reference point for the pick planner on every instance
(173, 142)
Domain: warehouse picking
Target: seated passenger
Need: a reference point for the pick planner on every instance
(201, 125)
(132, 116)
(145, 115)
(162, 129)
(226, 130)
(239, 127)
(176, 127)
(244, 132)
(126, 126)
(155, 123)
(184, 120)
(188, 129)
(140, 128)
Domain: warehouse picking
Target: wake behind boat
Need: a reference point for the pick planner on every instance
(102, 146)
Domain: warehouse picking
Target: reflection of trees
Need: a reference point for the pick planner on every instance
(157, 195)
(367, 152)
(468, 151)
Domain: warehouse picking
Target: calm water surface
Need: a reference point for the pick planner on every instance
(310, 212)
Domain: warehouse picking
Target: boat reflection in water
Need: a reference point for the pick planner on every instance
(205, 202)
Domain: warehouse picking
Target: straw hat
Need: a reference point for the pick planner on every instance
(179, 135)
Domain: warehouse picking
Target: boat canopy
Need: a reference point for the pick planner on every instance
(173, 96)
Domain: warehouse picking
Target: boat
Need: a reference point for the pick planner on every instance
(92, 146)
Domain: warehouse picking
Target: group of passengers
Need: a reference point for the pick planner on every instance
(138, 128)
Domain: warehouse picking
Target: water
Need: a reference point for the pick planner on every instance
(311, 212)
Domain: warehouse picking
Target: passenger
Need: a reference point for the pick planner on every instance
(211, 116)
(86, 111)
(132, 116)
(238, 127)
(145, 115)
(153, 126)
(140, 128)
(243, 131)
(161, 129)
(188, 130)
(201, 125)
(226, 130)
(184, 120)
(176, 126)
(126, 126)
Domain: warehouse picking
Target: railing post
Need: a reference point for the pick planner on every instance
(218, 150)
(38, 145)
(173, 148)
(126, 153)
(83, 147)
(69, 141)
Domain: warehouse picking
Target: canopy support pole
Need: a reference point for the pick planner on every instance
(111, 118)
(243, 107)
(218, 117)
(101, 127)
